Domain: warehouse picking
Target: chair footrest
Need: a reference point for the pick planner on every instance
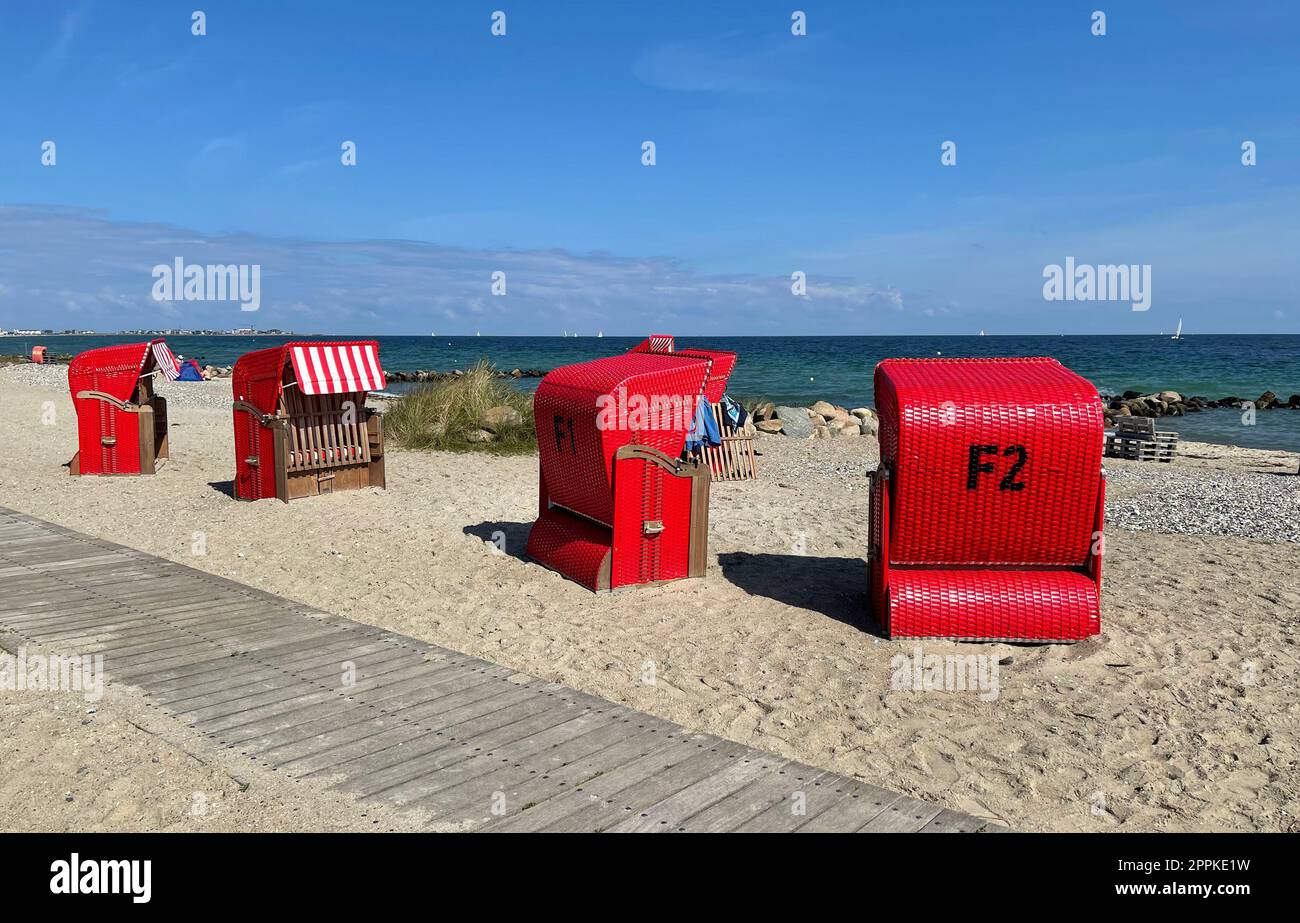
(992, 605)
(575, 547)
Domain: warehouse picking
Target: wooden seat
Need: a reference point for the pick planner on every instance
(326, 430)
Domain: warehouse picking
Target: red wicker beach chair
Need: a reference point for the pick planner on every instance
(986, 511)
(121, 422)
(618, 505)
(301, 423)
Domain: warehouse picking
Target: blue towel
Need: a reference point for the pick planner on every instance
(734, 414)
(704, 429)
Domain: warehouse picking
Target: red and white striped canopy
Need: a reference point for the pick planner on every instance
(337, 368)
(167, 363)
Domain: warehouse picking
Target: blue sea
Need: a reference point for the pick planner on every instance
(800, 370)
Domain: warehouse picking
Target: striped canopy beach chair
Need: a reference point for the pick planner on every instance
(121, 422)
(618, 504)
(987, 507)
(301, 423)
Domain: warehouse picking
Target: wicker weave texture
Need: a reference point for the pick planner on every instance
(988, 605)
(646, 493)
(113, 370)
(570, 545)
(108, 439)
(576, 445)
(722, 364)
(984, 527)
(994, 461)
(626, 521)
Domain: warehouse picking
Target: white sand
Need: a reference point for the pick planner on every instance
(1181, 716)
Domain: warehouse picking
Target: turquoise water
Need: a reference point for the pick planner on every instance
(804, 369)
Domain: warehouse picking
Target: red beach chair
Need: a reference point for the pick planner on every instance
(987, 508)
(301, 423)
(618, 505)
(121, 422)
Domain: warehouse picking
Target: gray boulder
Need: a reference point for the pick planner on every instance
(795, 422)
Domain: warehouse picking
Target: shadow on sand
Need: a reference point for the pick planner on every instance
(834, 587)
(510, 537)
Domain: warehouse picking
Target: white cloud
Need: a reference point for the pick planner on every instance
(52, 259)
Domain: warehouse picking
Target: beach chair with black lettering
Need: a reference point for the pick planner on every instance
(302, 427)
(987, 507)
(121, 421)
(619, 505)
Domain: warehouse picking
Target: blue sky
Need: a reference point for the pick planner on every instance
(775, 153)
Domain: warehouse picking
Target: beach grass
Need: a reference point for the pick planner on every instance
(454, 415)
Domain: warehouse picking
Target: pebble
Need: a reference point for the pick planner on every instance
(1183, 501)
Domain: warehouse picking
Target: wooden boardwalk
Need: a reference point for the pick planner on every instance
(474, 745)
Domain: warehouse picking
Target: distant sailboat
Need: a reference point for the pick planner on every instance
(983, 334)
(1178, 334)
(599, 334)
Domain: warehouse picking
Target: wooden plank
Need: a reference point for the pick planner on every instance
(215, 706)
(638, 758)
(334, 752)
(770, 792)
(673, 812)
(905, 815)
(530, 777)
(218, 688)
(306, 725)
(469, 786)
(951, 822)
(703, 757)
(399, 780)
(850, 808)
(218, 658)
(207, 655)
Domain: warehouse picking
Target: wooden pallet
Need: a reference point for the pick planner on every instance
(473, 745)
(1162, 446)
(735, 459)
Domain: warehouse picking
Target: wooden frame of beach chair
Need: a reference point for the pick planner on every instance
(988, 505)
(302, 427)
(734, 459)
(122, 425)
(618, 505)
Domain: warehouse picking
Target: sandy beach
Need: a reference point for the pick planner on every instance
(1182, 715)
